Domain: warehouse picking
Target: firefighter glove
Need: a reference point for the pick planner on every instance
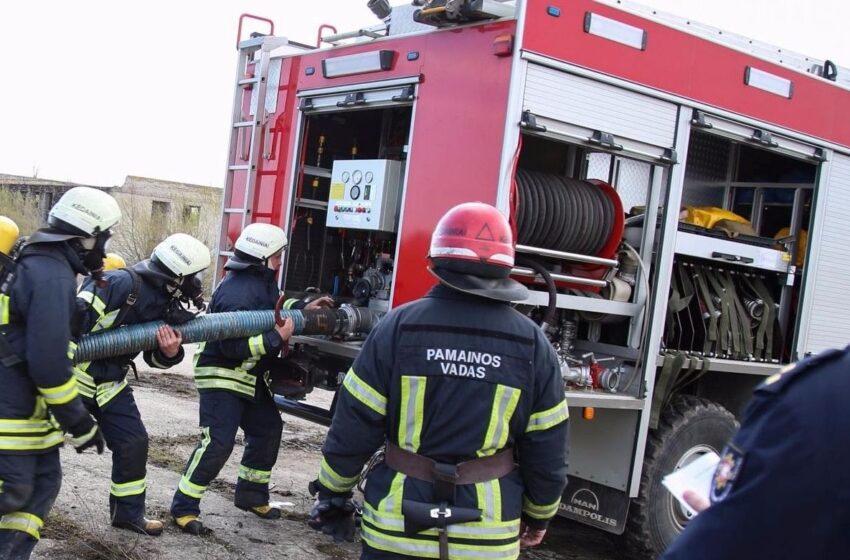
(332, 513)
(87, 434)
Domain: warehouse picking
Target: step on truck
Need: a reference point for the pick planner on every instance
(678, 193)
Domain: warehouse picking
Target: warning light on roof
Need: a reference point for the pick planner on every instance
(768, 82)
(361, 63)
(614, 30)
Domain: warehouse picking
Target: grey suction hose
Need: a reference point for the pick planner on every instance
(345, 320)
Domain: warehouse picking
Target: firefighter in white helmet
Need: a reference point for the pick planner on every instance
(36, 311)
(229, 376)
(458, 385)
(159, 288)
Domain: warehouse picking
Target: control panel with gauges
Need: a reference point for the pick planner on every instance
(365, 194)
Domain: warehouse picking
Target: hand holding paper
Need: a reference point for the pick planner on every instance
(695, 479)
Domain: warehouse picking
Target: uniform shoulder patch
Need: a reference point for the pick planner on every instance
(778, 381)
(726, 473)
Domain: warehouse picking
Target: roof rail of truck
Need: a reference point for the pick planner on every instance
(372, 32)
(243, 17)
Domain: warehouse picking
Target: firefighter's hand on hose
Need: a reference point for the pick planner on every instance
(87, 434)
(529, 537)
(323, 302)
(169, 341)
(332, 513)
(286, 329)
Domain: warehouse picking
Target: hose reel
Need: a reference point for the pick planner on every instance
(569, 215)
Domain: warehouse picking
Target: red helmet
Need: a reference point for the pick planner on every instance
(472, 250)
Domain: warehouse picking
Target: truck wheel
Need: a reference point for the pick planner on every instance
(689, 427)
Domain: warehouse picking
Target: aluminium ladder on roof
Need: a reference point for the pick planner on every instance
(245, 136)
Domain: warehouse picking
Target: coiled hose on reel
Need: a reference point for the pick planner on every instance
(345, 320)
(563, 214)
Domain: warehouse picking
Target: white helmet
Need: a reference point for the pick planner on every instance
(84, 210)
(181, 255)
(261, 241)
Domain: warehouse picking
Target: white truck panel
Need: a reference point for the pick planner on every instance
(829, 275)
(568, 98)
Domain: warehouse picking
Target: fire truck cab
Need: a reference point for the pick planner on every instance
(679, 196)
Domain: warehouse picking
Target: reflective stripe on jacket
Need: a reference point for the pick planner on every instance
(452, 377)
(233, 365)
(102, 380)
(35, 319)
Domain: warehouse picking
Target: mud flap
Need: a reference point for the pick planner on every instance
(595, 505)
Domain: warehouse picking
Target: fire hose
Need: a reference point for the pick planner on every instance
(342, 321)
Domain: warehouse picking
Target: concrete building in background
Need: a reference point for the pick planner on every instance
(151, 208)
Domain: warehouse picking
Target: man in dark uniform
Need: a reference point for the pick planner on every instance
(229, 376)
(149, 291)
(459, 385)
(782, 487)
(39, 397)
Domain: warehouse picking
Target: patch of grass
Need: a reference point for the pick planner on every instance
(162, 454)
(88, 543)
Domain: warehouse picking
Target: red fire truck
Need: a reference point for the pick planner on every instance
(678, 194)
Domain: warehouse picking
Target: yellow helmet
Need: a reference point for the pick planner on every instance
(113, 261)
(8, 234)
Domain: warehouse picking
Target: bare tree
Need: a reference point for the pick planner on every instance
(144, 223)
(22, 209)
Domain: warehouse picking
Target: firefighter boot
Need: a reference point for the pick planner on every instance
(144, 526)
(264, 511)
(190, 524)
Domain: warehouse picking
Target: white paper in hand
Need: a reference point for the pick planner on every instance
(696, 476)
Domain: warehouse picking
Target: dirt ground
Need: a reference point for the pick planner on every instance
(78, 526)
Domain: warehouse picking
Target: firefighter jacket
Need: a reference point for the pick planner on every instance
(234, 364)
(452, 377)
(103, 379)
(40, 394)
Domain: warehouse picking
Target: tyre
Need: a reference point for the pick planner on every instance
(689, 427)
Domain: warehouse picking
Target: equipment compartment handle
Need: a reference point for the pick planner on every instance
(731, 257)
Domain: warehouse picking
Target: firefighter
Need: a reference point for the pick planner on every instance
(229, 376)
(782, 487)
(151, 290)
(459, 385)
(113, 261)
(39, 398)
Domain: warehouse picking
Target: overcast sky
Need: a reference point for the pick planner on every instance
(95, 90)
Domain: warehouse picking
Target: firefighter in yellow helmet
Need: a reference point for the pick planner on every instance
(8, 234)
(113, 261)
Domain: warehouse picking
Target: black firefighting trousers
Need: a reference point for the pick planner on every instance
(222, 413)
(30, 484)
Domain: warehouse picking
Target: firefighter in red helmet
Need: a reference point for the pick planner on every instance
(461, 387)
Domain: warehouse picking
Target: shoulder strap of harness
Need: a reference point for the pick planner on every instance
(132, 297)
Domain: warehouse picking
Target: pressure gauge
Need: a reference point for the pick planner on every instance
(355, 192)
(357, 176)
(346, 176)
(369, 176)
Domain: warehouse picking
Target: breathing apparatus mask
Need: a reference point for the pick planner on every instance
(91, 251)
(183, 292)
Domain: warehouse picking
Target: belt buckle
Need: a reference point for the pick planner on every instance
(445, 472)
(441, 512)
